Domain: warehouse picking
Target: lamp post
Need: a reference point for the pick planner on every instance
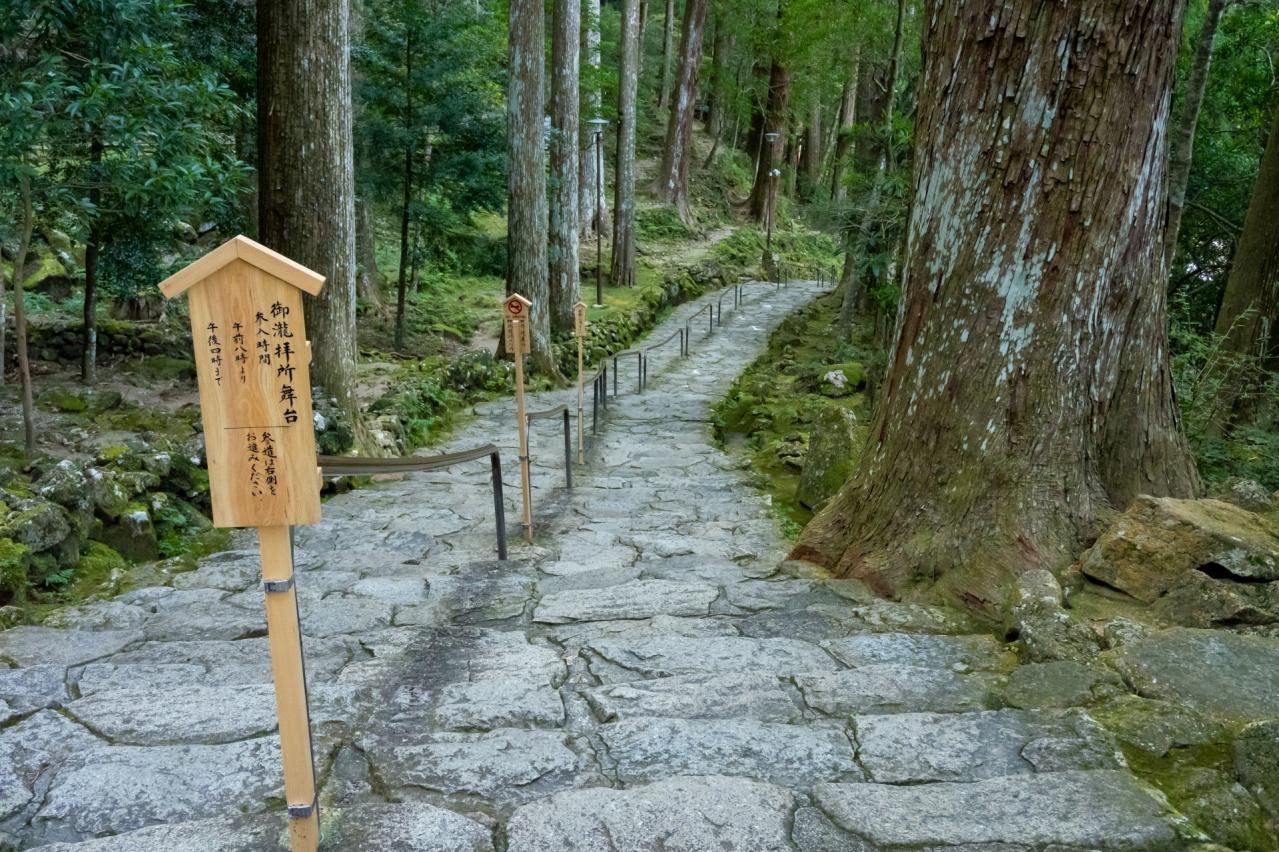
(597, 127)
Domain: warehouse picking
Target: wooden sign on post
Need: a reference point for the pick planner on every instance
(516, 310)
(253, 369)
(579, 329)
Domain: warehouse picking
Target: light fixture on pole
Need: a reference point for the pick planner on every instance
(773, 175)
(597, 127)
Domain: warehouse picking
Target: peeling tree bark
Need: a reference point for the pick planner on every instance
(527, 271)
(564, 263)
(672, 180)
(847, 118)
(623, 269)
(306, 176)
(1008, 426)
(1183, 142)
(592, 219)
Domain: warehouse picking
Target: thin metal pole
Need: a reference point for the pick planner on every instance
(499, 505)
(599, 221)
(614, 375)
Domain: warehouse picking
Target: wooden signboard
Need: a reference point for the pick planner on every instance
(253, 366)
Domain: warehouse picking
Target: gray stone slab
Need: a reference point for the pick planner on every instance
(33, 687)
(111, 789)
(223, 661)
(393, 591)
(683, 814)
(637, 599)
(910, 748)
(187, 714)
(413, 826)
(619, 660)
(895, 689)
(220, 834)
(960, 653)
(759, 595)
(1062, 683)
(649, 749)
(99, 615)
(504, 764)
(1103, 810)
(663, 626)
(501, 702)
(1215, 672)
(29, 646)
(739, 695)
(343, 615)
(889, 617)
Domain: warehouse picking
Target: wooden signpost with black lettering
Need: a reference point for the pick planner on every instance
(579, 330)
(253, 367)
(515, 311)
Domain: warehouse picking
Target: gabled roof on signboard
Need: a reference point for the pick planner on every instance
(242, 248)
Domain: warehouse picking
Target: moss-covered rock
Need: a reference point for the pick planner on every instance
(167, 367)
(15, 561)
(65, 401)
(832, 450)
(133, 536)
(843, 379)
(41, 526)
(1160, 538)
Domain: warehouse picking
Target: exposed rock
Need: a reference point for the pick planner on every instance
(1046, 631)
(649, 749)
(1160, 538)
(1198, 600)
(133, 536)
(961, 653)
(221, 834)
(42, 527)
(637, 599)
(910, 748)
(1244, 493)
(894, 688)
(832, 449)
(504, 702)
(33, 687)
(1256, 753)
(1218, 673)
(745, 695)
(1101, 810)
(1060, 684)
(187, 714)
(687, 814)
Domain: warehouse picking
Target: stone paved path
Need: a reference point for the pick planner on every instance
(646, 677)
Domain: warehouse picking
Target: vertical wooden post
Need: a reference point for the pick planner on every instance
(520, 334)
(285, 640)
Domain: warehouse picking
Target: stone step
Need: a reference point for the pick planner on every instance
(679, 813)
(636, 599)
(1102, 810)
(613, 661)
(896, 688)
(961, 653)
(729, 696)
(792, 755)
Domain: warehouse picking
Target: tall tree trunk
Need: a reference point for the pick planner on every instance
(369, 284)
(92, 250)
(847, 119)
(721, 46)
(772, 156)
(668, 45)
(1183, 141)
(623, 270)
(4, 319)
(20, 315)
(1007, 426)
(526, 174)
(406, 204)
(306, 179)
(564, 263)
(592, 162)
(672, 181)
(1250, 304)
(812, 154)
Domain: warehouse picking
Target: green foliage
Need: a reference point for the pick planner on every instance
(660, 224)
(15, 561)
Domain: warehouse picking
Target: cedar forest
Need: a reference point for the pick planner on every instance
(139, 133)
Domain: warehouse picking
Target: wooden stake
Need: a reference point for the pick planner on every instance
(285, 640)
(520, 332)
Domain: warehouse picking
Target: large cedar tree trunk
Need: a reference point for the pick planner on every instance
(623, 271)
(369, 283)
(1250, 305)
(565, 59)
(306, 179)
(592, 161)
(668, 44)
(1028, 394)
(771, 156)
(844, 135)
(672, 181)
(527, 272)
(1183, 141)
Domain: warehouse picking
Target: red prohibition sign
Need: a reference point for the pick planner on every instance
(514, 308)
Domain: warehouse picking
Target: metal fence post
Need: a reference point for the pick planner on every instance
(568, 452)
(499, 506)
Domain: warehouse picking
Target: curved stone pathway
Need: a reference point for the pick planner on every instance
(646, 677)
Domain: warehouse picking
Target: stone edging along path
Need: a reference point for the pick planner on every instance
(643, 677)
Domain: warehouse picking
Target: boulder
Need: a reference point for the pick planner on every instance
(1256, 754)
(1244, 493)
(832, 445)
(1045, 631)
(133, 536)
(41, 526)
(1146, 552)
(1197, 600)
(842, 379)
